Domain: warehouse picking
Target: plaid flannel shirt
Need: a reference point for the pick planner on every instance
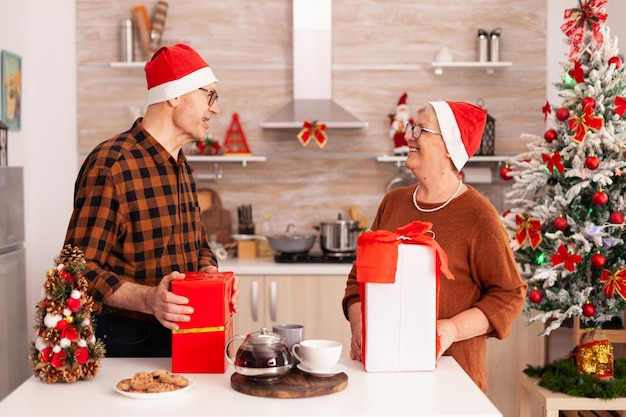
(136, 215)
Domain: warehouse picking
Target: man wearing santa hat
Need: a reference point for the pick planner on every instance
(136, 216)
(487, 293)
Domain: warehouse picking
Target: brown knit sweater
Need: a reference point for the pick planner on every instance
(486, 276)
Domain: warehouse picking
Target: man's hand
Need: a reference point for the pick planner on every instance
(234, 297)
(166, 306)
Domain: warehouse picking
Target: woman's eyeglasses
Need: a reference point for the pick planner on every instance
(416, 130)
(212, 95)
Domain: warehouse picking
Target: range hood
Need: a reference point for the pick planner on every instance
(312, 98)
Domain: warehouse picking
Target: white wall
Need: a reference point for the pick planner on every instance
(43, 34)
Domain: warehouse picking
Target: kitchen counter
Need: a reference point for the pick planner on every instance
(269, 267)
(448, 391)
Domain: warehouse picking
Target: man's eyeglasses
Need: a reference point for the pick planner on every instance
(212, 95)
(416, 130)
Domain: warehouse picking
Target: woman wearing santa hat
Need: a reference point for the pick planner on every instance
(487, 293)
(136, 215)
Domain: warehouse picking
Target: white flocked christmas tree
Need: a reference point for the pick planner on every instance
(566, 217)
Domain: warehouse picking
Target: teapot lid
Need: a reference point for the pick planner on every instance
(264, 338)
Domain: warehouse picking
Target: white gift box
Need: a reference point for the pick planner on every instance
(400, 319)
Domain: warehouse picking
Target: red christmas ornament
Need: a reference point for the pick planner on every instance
(504, 173)
(588, 101)
(617, 217)
(600, 198)
(562, 114)
(560, 223)
(592, 162)
(615, 60)
(550, 135)
(588, 310)
(535, 296)
(598, 260)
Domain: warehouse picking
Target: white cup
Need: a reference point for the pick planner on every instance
(316, 354)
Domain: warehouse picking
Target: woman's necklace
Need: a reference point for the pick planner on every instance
(436, 208)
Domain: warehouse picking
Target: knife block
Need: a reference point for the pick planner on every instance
(246, 249)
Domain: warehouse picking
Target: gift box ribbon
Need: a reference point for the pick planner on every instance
(208, 329)
(377, 259)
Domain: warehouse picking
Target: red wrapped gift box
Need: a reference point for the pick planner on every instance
(198, 345)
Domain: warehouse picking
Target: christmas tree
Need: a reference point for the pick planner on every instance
(567, 202)
(65, 348)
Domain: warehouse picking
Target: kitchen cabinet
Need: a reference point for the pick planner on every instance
(311, 300)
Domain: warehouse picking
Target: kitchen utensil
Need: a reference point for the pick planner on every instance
(246, 222)
(317, 355)
(291, 242)
(340, 236)
(262, 356)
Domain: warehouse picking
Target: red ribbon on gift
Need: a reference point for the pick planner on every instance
(577, 19)
(313, 130)
(564, 257)
(614, 282)
(377, 258)
(620, 106)
(580, 125)
(553, 161)
(528, 229)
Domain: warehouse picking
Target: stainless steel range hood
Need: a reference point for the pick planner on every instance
(312, 98)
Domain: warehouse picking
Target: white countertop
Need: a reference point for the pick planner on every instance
(269, 267)
(448, 391)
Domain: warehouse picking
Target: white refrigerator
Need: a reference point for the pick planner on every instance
(14, 347)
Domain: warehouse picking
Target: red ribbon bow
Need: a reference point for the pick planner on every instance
(563, 256)
(580, 125)
(313, 130)
(577, 19)
(553, 162)
(620, 106)
(528, 229)
(613, 282)
(546, 110)
(577, 72)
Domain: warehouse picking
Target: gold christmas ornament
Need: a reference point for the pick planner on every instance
(594, 354)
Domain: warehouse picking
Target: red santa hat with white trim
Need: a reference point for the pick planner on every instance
(461, 126)
(174, 71)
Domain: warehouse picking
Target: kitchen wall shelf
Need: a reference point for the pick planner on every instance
(489, 67)
(244, 159)
(487, 158)
(131, 64)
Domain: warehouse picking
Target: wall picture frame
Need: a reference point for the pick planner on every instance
(11, 92)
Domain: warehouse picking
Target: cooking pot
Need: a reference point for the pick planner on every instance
(291, 242)
(340, 236)
(262, 356)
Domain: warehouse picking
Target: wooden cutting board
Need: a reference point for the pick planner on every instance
(296, 384)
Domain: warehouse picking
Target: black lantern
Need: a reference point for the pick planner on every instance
(487, 144)
(4, 144)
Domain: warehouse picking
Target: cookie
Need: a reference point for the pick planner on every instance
(140, 381)
(124, 385)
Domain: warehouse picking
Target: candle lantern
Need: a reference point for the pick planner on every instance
(488, 141)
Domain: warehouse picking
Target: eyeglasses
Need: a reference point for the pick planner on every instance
(416, 130)
(212, 95)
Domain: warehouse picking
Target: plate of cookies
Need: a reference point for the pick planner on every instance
(153, 385)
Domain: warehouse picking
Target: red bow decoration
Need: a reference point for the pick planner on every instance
(563, 256)
(313, 130)
(613, 282)
(553, 162)
(577, 72)
(576, 19)
(620, 106)
(580, 125)
(546, 111)
(528, 229)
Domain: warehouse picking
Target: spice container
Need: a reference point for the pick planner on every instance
(127, 51)
(483, 45)
(494, 45)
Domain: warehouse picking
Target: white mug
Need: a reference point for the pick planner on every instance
(316, 354)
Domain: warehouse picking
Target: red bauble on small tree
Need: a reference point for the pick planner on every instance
(550, 135)
(562, 114)
(592, 162)
(600, 198)
(617, 217)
